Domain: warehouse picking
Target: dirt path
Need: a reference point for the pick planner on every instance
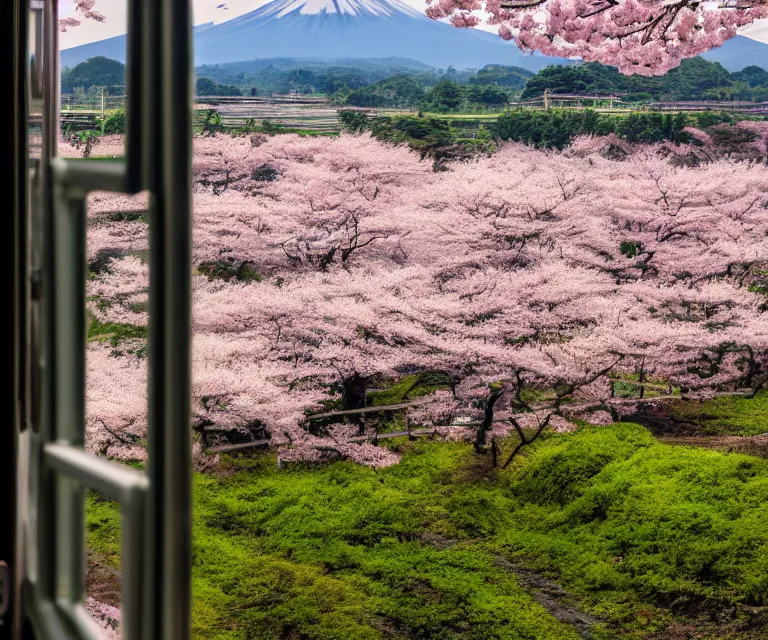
(560, 604)
(103, 583)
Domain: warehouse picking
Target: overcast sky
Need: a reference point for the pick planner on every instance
(207, 11)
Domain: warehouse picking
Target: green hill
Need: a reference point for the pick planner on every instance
(694, 79)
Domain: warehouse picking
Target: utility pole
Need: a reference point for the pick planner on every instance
(546, 99)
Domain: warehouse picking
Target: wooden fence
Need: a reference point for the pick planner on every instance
(79, 120)
(291, 112)
(614, 104)
(91, 102)
(732, 106)
(411, 432)
(300, 117)
(256, 100)
(305, 113)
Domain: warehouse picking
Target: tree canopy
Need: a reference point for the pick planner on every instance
(647, 37)
(400, 90)
(528, 283)
(207, 87)
(94, 72)
(690, 81)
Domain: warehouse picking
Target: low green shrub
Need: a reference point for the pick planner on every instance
(114, 122)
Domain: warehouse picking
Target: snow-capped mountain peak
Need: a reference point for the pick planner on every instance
(349, 7)
(351, 29)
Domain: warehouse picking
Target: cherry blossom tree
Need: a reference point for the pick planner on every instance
(646, 37)
(323, 203)
(116, 406)
(528, 283)
(120, 294)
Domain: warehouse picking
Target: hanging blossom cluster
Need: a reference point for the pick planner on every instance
(83, 8)
(645, 37)
(527, 282)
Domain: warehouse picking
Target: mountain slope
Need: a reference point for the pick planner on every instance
(739, 52)
(341, 29)
(337, 29)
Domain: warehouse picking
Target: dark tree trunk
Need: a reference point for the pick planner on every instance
(355, 388)
(487, 423)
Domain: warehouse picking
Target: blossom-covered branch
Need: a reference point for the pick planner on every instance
(646, 37)
(85, 9)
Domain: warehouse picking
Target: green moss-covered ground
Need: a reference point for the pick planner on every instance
(725, 415)
(114, 333)
(646, 538)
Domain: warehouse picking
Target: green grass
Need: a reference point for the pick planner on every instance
(407, 388)
(427, 549)
(117, 334)
(103, 528)
(114, 332)
(627, 522)
(726, 415)
(125, 216)
(623, 388)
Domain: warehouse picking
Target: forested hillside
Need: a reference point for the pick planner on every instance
(694, 79)
(406, 83)
(96, 72)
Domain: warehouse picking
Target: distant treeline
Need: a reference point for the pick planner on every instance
(445, 97)
(207, 87)
(409, 84)
(694, 79)
(340, 80)
(556, 129)
(553, 129)
(398, 85)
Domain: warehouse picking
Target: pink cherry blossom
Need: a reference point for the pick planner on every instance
(526, 274)
(645, 37)
(106, 616)
(85, 9)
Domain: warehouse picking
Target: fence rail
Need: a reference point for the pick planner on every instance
(91, 102)
(311, 113)
(274, 99)
(575, 101)
(734, 106)
(79, 120)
